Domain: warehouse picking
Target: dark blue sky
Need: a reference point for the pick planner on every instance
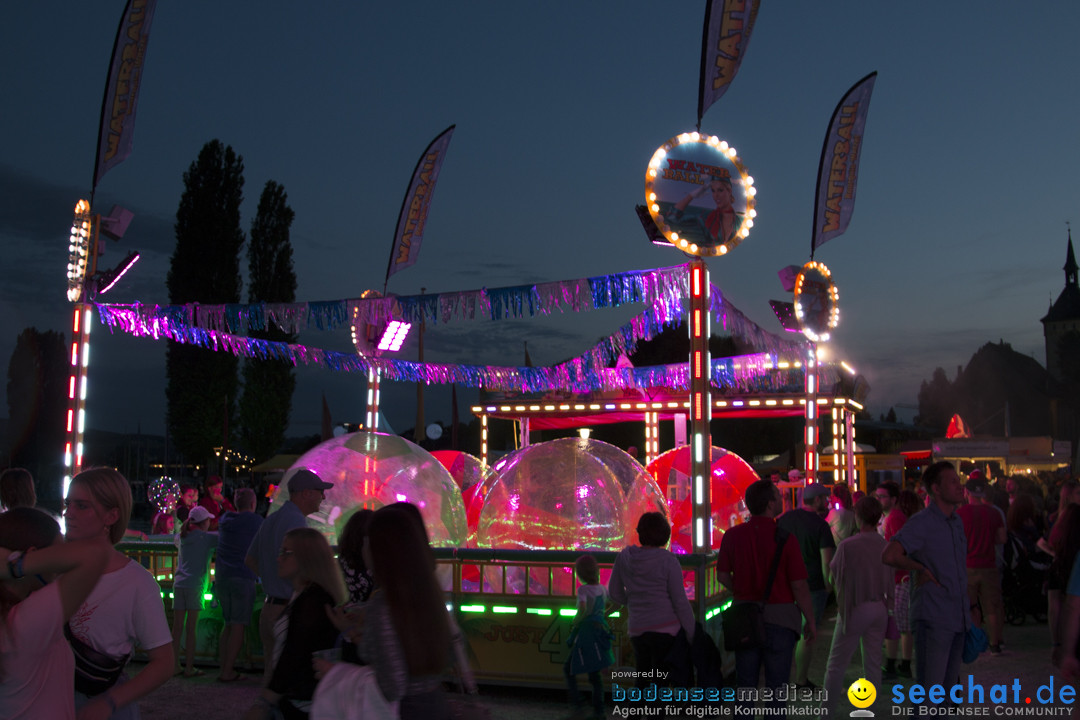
(969, 169)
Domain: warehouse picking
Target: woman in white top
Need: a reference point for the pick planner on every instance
(36, 664)
(125, 608)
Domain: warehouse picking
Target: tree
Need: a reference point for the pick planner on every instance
(37, 404)
(201, 384)
(269, 384)
(936, 402)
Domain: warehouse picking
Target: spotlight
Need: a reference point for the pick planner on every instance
(393, 336)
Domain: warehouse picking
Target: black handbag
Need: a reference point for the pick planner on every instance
(95, 672)
(744, 623)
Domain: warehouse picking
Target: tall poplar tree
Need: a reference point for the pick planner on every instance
(201, 384)
(269, 384)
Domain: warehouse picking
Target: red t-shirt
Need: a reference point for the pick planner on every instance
(746, 551)
(981, 524)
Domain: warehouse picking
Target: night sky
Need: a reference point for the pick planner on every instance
(970, 166)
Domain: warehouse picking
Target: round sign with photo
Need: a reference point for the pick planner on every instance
(699, 194)
(817, 305)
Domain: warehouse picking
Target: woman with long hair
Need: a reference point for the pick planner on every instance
(407, 636)
(36, 665)
(351, 556)
(306, 561)
(125, 607)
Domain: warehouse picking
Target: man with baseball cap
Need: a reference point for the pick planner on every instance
(808, 525)
(306, 493)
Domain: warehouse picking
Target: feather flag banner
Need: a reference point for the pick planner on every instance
(726, 36)
(116, 132)
(417, 202)
(838, 172)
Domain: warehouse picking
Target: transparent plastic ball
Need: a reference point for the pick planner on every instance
(374, 469)
(474, 477)
(729, 478)
(641, 492)
(163, 493)
(553, 496)
(566, 494)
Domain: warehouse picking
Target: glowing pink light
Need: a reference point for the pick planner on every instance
(394, 336)
(113, 276)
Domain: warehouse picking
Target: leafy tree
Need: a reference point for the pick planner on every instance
(37, 403)
(269, 384)
(202, 384)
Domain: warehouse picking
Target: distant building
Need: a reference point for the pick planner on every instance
(1061, 326)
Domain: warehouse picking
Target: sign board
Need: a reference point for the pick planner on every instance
(700, 195)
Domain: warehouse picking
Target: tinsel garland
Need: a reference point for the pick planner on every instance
(217, 327)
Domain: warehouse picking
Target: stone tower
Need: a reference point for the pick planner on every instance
(1061, 326)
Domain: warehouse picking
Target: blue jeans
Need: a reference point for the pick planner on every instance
(937, 654)
(775, 656)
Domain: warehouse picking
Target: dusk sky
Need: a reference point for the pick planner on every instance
(970, 166)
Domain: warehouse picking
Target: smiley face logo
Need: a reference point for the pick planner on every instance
(862, 693)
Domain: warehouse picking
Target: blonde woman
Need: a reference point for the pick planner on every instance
(124, 609)
(307, 563)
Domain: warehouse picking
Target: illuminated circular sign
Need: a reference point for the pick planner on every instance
(700, 195)
(817, 305)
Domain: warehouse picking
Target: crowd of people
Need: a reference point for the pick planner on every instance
(908, 570)
(73, 608)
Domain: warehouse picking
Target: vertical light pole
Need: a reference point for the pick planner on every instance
(700, 198)
(700, 406)
(372, 423)
(82, 263)
(811, 456)
(652, 436)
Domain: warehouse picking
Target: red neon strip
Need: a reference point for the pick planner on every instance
(71, 415)
(695, 275)
(697, 364)
(697, 323)
(71, 388)
(76, 321)
(697, 406)
(74, 353)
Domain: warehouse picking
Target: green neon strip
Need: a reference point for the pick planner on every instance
(504, 609)
(208, 597)
(615, 614)
(725, 606)
(567, 613)
(473, 608)
(712, 613)
(538, 611)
